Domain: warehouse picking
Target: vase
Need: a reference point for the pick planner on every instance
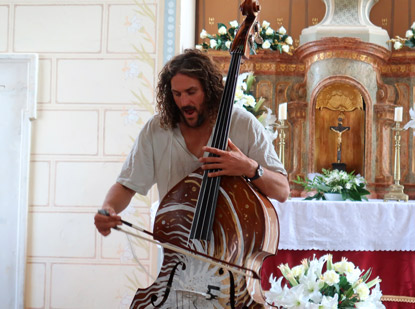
(333, 196)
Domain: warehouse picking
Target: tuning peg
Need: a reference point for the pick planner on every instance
(256, 27)
(251, 45)
(259, 39)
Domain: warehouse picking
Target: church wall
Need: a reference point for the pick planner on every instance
(95, 92)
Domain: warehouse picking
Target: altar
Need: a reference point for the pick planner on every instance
(374, 234)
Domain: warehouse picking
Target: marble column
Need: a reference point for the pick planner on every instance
(347, 18)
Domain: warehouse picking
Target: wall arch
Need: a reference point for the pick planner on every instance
(368, 119)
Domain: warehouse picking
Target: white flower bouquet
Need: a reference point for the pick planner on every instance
(274, 40)
(340, 285)
(351, 187)
(409, 39)
(268, 38)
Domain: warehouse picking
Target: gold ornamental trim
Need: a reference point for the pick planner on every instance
(398, 298)
(347, 54)
(279, 67)
(398, 69)
(268, 67)
(340, 97)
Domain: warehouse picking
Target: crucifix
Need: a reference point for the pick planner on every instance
(339, 129)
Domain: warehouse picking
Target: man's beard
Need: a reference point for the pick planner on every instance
(201, 116)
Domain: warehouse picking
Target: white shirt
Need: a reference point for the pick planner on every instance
(161, 157)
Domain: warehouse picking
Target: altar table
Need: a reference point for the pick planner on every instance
(374, 234)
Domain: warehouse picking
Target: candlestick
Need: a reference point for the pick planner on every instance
(281, 134)
(282, 111)
(281, 126)
(396, 190)
(398, 114)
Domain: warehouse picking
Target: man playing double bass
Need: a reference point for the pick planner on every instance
(173, 143)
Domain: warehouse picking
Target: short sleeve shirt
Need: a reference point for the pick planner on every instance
(160, 156)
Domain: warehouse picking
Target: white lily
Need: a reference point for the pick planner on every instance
(241, 78)
(234, 23)
(286, 48)
(410, 123)
(373, 301)
(222, 30)
(269, 31)
(329, 302)
(289, 40)
(266, 44)
(397, 45)
(213, 43)
(276, 293)
(331, 277)
(282, 30)
(362, 290)
(203, 34)
(353, 275)
(265, 24)
(295, 297)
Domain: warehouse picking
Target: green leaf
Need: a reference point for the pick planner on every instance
(232, 32)
(258, 105)
(354, 196)
(409, 43)
(221, 25)
(249, 81)
(367, 275)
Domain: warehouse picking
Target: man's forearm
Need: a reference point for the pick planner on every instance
(118, 197)
(274, 185)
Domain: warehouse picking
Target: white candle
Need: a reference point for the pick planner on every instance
(398, 113)
(282, 111)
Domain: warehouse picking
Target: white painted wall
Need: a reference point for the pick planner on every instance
(87, 119)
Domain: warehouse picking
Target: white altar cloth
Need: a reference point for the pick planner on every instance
(346, 226)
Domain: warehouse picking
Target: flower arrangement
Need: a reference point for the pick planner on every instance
(350, 186)
(244, 98)
(409, 39)
(341, 285)
(268, 38)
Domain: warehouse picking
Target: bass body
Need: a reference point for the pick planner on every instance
(245, 231)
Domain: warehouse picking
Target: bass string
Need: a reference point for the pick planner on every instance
(206, 204)
(223, 132)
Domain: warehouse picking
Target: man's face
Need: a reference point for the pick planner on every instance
(189, 97)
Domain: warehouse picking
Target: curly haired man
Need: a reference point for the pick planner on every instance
(174, 142)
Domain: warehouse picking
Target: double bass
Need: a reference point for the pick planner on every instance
(225, 218)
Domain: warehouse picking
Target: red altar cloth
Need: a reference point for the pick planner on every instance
(395, 268)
